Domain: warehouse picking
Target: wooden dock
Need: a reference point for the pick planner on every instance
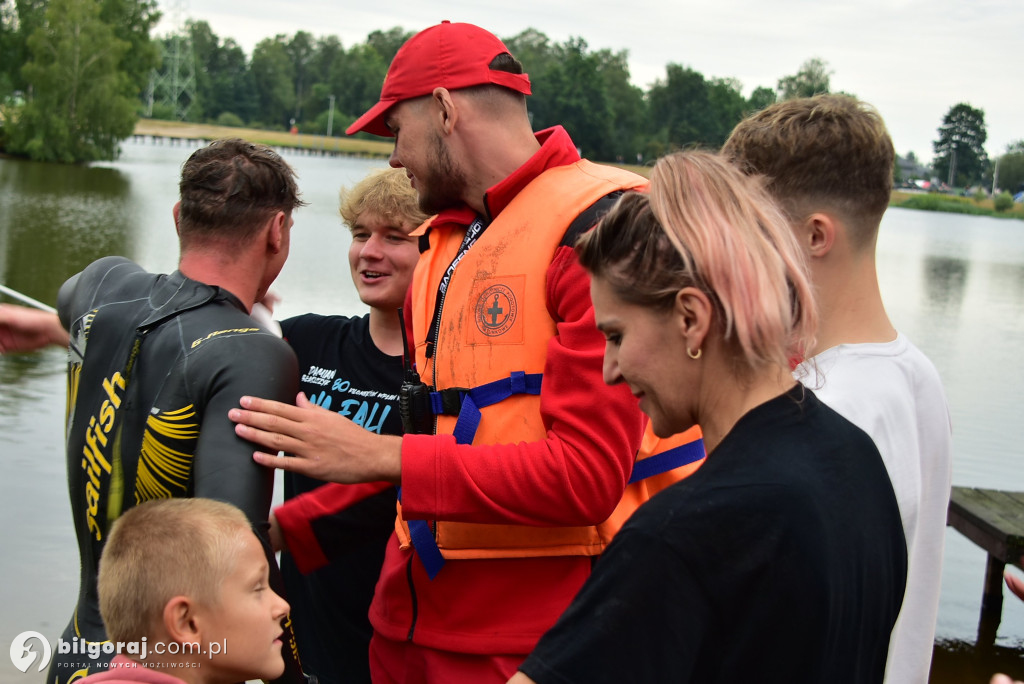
(994, 520)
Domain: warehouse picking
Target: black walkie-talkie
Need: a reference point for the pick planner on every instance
(414, 396)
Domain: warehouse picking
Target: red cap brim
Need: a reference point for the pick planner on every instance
(373, 120)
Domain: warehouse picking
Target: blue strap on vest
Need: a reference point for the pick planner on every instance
(673, 458)
(483, 396)
(423, 542)
(465, 429)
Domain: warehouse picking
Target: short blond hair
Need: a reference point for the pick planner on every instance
(162, 549)
(387, 193)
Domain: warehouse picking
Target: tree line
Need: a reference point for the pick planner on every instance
(316, 82)
(75, 75)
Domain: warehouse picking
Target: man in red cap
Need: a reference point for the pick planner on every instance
(519, 474)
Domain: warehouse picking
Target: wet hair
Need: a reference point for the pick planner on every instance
(230, 189)
(161, 549)
(706, 225)
(387, 193)
(823, 153)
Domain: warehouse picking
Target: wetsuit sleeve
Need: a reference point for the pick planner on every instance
(259, 365)
(76, 295)
(297, 516)
(253, 364)
(577, 475)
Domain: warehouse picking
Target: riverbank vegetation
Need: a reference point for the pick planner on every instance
(1002, 206)
(199, 131)
(76, 77)
(317, 85)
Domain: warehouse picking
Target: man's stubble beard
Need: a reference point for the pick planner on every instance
(443, 187)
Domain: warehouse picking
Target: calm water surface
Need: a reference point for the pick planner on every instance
(953, 284)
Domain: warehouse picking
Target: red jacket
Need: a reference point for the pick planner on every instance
(594, 431)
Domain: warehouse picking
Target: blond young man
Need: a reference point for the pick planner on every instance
(335, 535)
(829, 160)
(185, 595)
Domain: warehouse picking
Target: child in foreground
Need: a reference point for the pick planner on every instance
(184, 594)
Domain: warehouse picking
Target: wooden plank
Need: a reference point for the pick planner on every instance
(992, 519)
(1006, 511)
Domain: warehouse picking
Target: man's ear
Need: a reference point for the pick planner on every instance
(181, 619)
(818, 235)
(176, 212)
(445, 109)
(693, 312)
(276, 226)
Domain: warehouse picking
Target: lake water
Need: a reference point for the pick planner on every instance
(953, 284)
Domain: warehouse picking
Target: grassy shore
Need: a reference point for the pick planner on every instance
(953, 204)
(345, 145)
(382, 149)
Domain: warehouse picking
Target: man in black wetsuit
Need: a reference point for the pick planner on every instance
(156, 361)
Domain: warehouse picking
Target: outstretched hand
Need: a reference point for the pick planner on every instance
(1003, 679)
(1015, 583)
(326, 445)
(23, 329)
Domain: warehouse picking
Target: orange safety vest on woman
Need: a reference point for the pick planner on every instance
(494, 322)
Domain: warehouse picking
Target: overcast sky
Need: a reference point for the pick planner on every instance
(912, 59)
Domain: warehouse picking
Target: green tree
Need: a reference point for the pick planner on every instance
(274, 77)
(205, 51)
(326, 52)
(960, 157)
(534, 50)
(812, 79)
(728, 107)
(224, 84)
(386, 43)
(132, 22)
(82, 104)
(1011, 168)
(578, 99)
(8, 50)
(681, 111)
(28, 16)
(232, 83)
(356, 78)
(300, 50)
(760, 98)
(628, 106)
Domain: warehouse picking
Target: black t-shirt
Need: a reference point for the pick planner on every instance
(781, 560)
(342, 370)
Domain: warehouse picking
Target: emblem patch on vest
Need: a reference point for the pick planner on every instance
(496, 310)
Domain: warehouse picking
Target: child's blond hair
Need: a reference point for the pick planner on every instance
(162, 549)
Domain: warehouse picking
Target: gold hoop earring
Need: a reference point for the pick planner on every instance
(694, 355)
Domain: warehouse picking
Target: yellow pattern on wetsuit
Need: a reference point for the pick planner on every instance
(75, 369)
(164, 471)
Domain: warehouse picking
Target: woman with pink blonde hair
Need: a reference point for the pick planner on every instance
(783, 557)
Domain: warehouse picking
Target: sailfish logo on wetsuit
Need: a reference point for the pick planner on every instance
(496, 310)
(97, 449)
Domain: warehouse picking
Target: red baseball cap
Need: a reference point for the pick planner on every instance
(448, 56)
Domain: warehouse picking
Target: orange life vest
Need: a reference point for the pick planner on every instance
(494, 322)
